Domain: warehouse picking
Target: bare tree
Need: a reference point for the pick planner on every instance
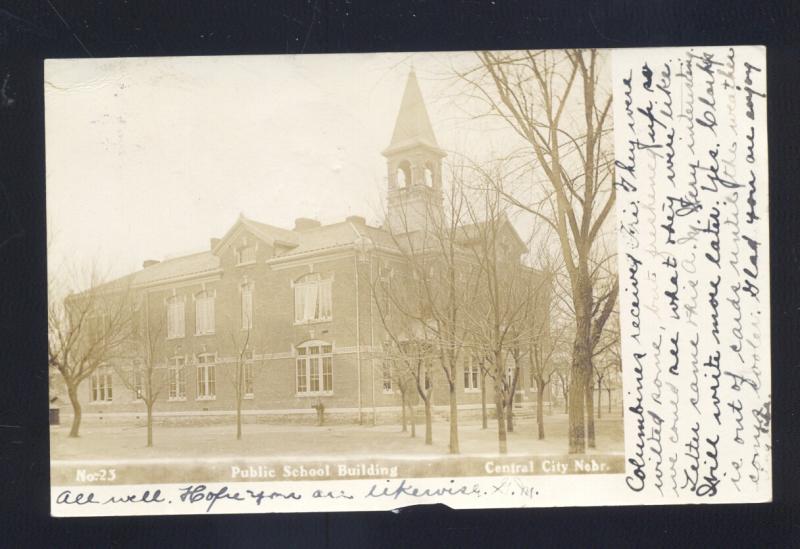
(427, 299)
(241, 378)
(497, 322)
(146, 376)
(554, 101)
(87, 330)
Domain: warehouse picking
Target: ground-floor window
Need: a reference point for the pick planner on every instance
(206, 377)
(471, 374)
(247, 372)
(314, 368)
(102, 385)
(177, 378)
(387, 376)
(137, 381)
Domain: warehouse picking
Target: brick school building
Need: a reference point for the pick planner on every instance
(296, 304)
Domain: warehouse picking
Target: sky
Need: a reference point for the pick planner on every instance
(149, 158)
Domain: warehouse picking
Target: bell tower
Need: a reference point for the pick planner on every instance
(414, 161)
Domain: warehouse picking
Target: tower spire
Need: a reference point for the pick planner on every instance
(413, 126)
(414, 162)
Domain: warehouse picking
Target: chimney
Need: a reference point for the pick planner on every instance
(214, 242)
(304, 223)
(149, 263)
(356, 219)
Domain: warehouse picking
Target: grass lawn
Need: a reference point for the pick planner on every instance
(103, 442)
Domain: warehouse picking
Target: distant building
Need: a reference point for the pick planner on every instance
(298, 298)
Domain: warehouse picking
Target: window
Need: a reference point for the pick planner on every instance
(247, 305)
(177, 378)
(511, 367)
(176, 317)
(204, 313)
(246, 254)
(101, 385)
(312, 299)
(206, 377)
(385, 277)
(97, 329)
(247, 371)
(403, 174)
(137, 381)
(387, 376)
(471, 374)
(314, 372)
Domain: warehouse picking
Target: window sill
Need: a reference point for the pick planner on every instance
(176, 399)
(100, 402)
(207, 398)
(308, 322)
(248, 397)
(387, 392)
(246, 263)
(313, 395)
(478, 390)
(170, 338)
(199, 334)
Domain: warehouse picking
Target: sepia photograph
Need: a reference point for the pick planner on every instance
(332, 267)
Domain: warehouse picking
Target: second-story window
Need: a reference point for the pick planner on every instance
(247, 305)
(312, 299)
(176, 318)
(204, 313)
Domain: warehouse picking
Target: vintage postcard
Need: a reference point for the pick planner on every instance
(361, 282)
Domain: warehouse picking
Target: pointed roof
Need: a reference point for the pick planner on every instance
(413, 127)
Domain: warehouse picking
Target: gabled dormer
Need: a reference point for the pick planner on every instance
(248, 242)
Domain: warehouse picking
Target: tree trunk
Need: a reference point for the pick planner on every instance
(484, 413)
(413, 415)
(581, 368)
(238, 418)
(428, 422)
(566, 399)
(149, 405)
(403, 411)
(609, 399)
(590, 413)
(453, 419)
(540, 408)
(72, 392)
(499, 402)
(599, 400)
(510, 413)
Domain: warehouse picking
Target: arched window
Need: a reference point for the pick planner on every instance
(314, 368)
(404, 174)
(204, 313)
(429, 174)
(176, 318)
(312, 299)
